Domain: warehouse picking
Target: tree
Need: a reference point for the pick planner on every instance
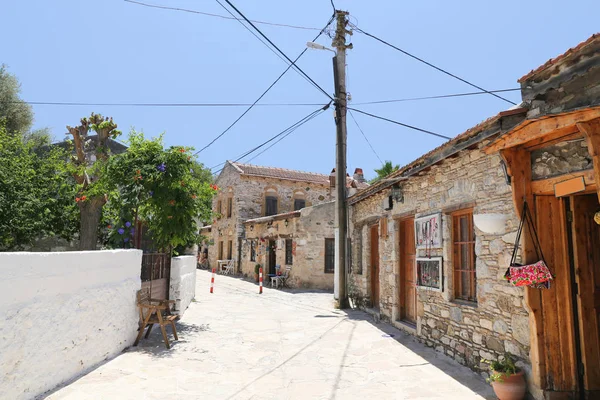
(163, 187)
(17, 115)
(88, 166)
(386, 169)
(36, 197)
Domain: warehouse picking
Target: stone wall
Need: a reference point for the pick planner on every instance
(468, 332)
(559, 159)
(308, 233)
(248, 193)
(182, 284)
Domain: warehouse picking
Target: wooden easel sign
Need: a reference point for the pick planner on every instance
(570, 186)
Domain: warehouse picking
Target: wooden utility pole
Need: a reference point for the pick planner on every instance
(341, 217)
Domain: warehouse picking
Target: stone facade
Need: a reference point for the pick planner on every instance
(559, 159)
(307, 229)
(469, 332)
(247, 193)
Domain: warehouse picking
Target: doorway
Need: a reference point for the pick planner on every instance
(375, 266)
(272, 256)
(408, 274)
(570, 345)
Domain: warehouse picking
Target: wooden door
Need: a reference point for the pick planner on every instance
(557, 341)
(586, 244)
(408, 274)
(375, 266)
(272, 257)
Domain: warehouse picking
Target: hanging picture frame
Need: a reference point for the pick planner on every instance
(428, 231)
(429, 273)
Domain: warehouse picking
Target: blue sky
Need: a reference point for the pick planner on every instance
(111, 51)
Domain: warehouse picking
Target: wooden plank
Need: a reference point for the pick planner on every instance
(586, 243)
(560, 135)
(570, 186)
(591, 131)
(518, 165)
(546, 186)
(532, 130)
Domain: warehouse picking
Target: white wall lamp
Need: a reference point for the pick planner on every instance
(490, 223)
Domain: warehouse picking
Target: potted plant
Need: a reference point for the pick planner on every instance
(256, 271)
(507, 379)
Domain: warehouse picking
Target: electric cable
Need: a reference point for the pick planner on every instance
(431, 65)
(219, 16)
(365, 136)
(263, 94)
(400, 123)
(444, 96)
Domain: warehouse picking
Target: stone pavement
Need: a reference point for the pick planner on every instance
(237, 344)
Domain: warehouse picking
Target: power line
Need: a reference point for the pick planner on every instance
(291, 128)
(264, 93)
(365, 136)
(278, 49)
(444, 96)
(219, 16)
(431, 65)
(48, 103)
(400, 123)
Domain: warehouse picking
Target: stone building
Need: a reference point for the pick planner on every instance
(250, 192)
(431, 243)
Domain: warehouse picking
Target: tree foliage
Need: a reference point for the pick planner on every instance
(386, 169)
(163, 187)
(17, 115)
(36, 192)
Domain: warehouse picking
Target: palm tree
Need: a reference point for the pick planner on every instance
(386, 169)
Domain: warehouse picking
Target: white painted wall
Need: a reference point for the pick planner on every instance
(63, 313)
(183, 282)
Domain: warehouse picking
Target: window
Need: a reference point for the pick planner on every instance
(229, 250)
(253, 250)
(221, 250)
(329, 256)
(229, 207)
(299, 204)
(463, 238)
(271, 205)
(288, 252)
(219, 209)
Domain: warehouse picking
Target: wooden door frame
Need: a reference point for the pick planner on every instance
(514, 147)
(399, 243)
(374, 226)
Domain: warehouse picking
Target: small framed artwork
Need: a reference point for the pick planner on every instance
(429, 273)
(428, 231)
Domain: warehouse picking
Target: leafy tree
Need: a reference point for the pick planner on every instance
(36, 197)
(88, 166)
(163, 187)
(17, 115)
(386, 169)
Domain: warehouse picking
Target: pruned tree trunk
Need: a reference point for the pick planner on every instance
(91, 211)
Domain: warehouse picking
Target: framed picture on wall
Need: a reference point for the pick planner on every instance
(429, 273)
(428, 232)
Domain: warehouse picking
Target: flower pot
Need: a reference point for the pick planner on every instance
(513, 387)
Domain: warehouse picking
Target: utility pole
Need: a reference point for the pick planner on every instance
(341, 217)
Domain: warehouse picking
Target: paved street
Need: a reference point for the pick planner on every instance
(237, 344)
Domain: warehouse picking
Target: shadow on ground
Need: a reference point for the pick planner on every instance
(155, 346)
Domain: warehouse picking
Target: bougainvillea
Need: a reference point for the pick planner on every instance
(160, 187)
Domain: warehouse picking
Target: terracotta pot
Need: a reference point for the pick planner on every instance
(513, 387)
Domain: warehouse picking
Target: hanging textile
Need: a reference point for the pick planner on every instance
(536, 275)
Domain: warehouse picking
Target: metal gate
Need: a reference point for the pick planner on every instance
(156, 274)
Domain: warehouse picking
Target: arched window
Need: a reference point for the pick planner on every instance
(271, 201)
(299, 200)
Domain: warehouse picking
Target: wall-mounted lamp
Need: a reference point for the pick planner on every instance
(286, 222)
(398, 193)
(505, 170)
(252, 227)
(220, 232)
(270, 224)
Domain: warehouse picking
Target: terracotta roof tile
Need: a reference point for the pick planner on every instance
(561, 57)
(281, 173)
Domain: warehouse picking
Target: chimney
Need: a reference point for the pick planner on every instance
(358, 175)
(332, 178)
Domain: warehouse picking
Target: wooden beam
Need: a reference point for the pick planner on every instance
(560, 135)
(531, 130)
(546, 186)
(591, 131)
(518, 166)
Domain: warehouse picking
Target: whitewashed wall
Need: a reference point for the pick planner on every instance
(183, 282)
(63, 313)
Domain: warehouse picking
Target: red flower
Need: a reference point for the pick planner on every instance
(182, 183)
(83, 198)
(194, 196)
(170, 216)
(109, 227)
(77, 199)
(182, 150)
(172, 202)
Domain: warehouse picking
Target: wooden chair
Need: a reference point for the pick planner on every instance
(152, 312)
(229, 268)
(284, 277)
